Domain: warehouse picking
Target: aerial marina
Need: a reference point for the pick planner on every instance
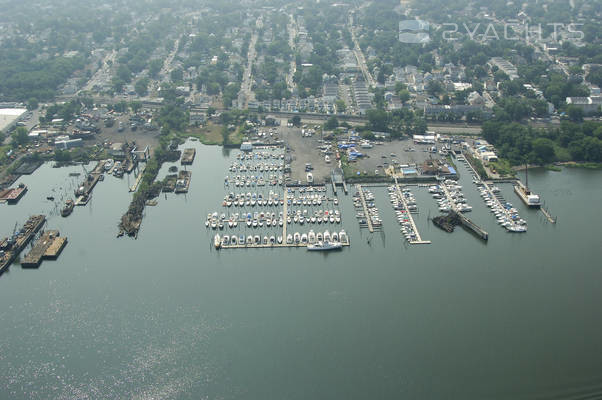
(273, 214)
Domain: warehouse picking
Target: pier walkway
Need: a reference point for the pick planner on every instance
(419, 239)
(138, 179)
(365, 207)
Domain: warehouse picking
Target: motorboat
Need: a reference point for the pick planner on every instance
(324, 246)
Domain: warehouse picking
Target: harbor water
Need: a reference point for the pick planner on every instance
(167, 316)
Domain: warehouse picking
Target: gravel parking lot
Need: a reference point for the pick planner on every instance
(382, 156)
(306, 150)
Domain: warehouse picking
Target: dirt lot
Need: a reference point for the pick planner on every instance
(141, 136)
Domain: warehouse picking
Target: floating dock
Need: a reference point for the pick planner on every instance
(188, 156)
(410, 218)
(49, 246)
(547, 214)
(12, 196)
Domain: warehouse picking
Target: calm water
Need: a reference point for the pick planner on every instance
(166, 317)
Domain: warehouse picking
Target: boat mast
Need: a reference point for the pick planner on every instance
(527, 175)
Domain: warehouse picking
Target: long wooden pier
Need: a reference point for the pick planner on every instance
(138, 179)
(410, 218)
(365, 207)
(547, 214)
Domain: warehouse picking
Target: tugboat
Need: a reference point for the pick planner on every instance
(68, 209)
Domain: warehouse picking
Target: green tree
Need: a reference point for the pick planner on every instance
(154, 67)
(543, 149)
(32, 103)
(141, 86)
(404, 95)
(177, 75)
(296, 120)
(575, 113)
(331, 123)
(136, 106)
(19, 137)
(340, 106)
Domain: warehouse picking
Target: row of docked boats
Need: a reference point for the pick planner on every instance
(254, 180)
(271, 219)
(318, 241)
(253, 199)
(261, 167)
(506, 215)
(449, 197)
(371, 209)
(273, 154)
(115, 166)
(403, 207)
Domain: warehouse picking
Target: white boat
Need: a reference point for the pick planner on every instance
(279, 239)
(310, 177)
(327, 159)
(327, 236)
(304, 238)
(343, 237)
(217, 241)
(225, 240)
(297, 237)
(324, 246)
(311, 237)
(289, 239)
(250, 239)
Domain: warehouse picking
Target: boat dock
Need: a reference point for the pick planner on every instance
(418, 239)
(468, 224)
(547, 214)
(188, 156)
(365, 207)
(134, 187)
(49, 246)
